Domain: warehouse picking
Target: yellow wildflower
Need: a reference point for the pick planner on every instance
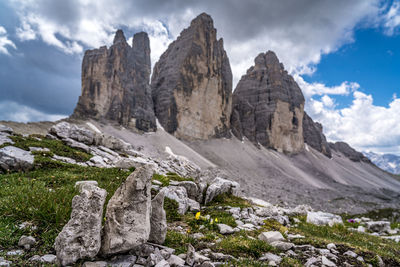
(216, 220)
(197, 215)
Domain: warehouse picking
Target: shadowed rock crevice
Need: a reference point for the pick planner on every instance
(115, 84)
(192, 84)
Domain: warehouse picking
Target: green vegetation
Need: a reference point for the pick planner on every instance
(43, 195)
(55, 146)
(362, 243)
(229, 200)
(166, 179)
(240, 245)
(179, 241)
(171, 210)
(43, 198)
(290, 262)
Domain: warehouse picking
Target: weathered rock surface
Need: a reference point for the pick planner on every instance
(314, 137)
(225, 229)
(26, 242)
(220, 186)
(15, 159)
(323, 218)
(378, 226)
(5, 129)
(5, 139)
(128, 213)
(349, 152)
(115, 83)
(192, 84)
(80, 238)
(179, 194)
(158, 221)
(268, 106)
(271, 236)
(65, 130)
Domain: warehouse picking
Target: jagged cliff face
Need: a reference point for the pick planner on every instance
(314, 137)
(268, 106)
(115, 83)
(192, 84)
(349, 152)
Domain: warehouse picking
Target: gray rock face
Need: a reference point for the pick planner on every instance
(268, 106)
(179, 194)
(128, 213)
(5, 138)
(323, 218)
(349, 152)
(65, 130)
(81, 236)
(15, 159)
(314, 137)
(271, 236)
(26, 242)
(378, 226)
(192, 84)
(158, 221)
(5, 129)
(115, 83)
(220, 186)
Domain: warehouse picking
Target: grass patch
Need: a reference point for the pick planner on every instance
(229, 200)
(273, 225)
(171, 210)
(319, 236)
(245, 262)
(166, 179)
(56, 147)
(240, 245)
(43, 196)
(178, 241)
(290, 262)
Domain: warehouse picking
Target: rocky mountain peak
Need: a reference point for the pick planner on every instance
(119, 37)
(268, 106)
(192, 84)
(115, 84)
(314, 137)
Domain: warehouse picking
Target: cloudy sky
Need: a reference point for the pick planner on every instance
(345, 55)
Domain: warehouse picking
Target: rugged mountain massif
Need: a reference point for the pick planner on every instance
(191, 96)
(268, 106)
(192, 84)
(115, 84)
(191, 92)
(387, 162)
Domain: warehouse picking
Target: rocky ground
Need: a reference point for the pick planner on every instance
(61, 197)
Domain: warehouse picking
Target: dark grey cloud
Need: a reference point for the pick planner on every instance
(44, 72)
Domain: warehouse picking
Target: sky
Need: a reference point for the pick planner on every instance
(345, 55)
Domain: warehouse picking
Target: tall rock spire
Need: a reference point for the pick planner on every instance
(115, 84)
(192, 84)
(268, 106)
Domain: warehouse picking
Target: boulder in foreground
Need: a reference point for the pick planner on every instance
(81, 236)
(128, 213)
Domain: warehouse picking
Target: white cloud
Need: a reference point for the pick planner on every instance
(315, 88)
(13, 111)
(5, 43)
(392, 18)
(298, 32)
(362, 124)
